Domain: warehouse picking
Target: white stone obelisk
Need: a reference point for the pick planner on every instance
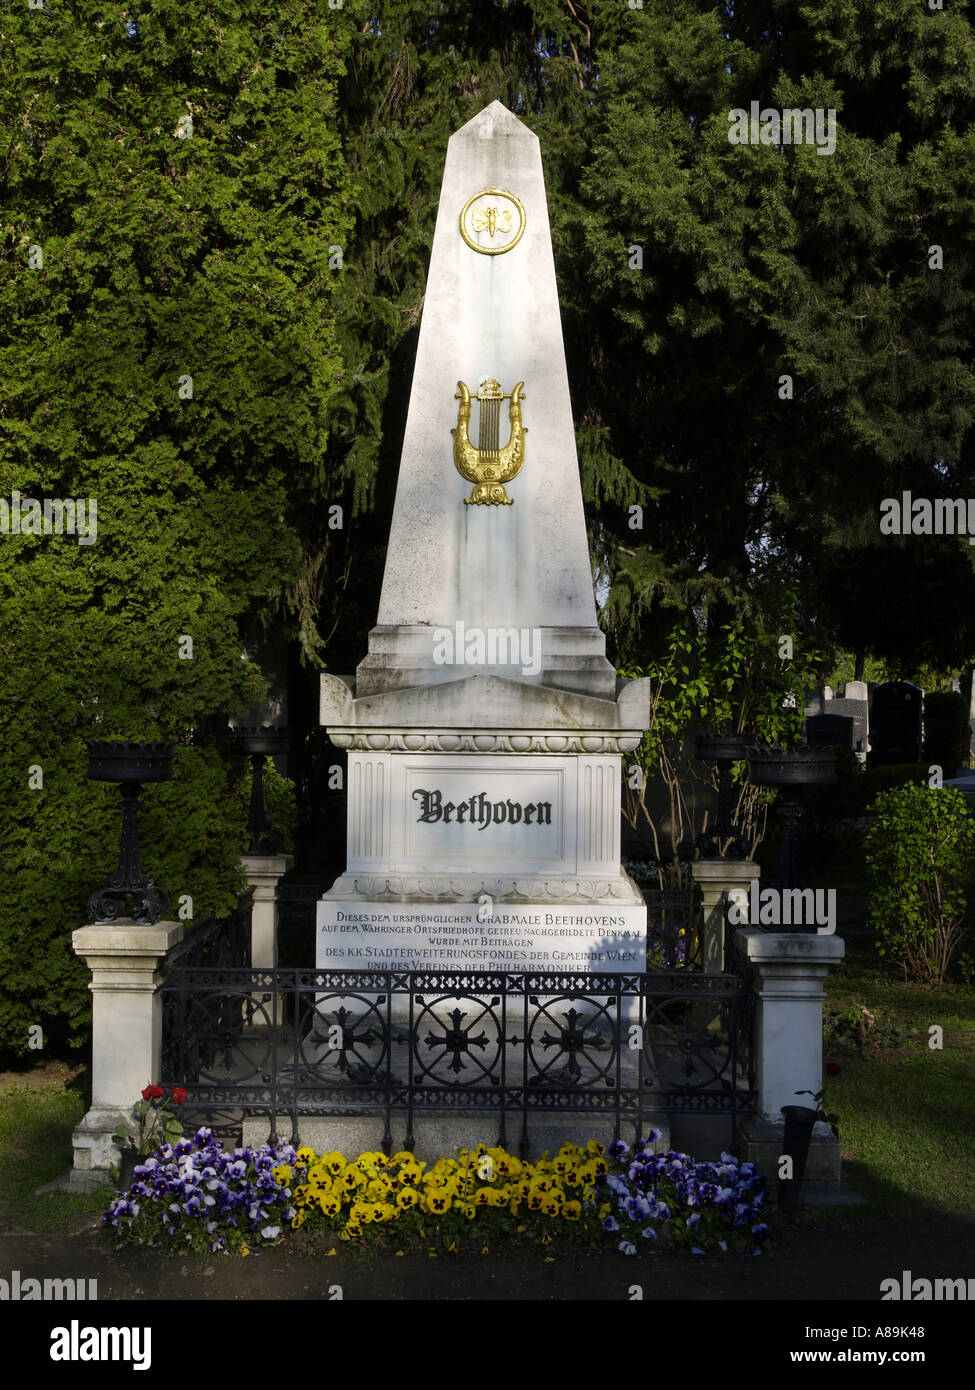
(491, 310)
(485, 725)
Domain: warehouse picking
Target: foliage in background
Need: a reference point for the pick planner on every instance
(726, 681)
(947, 732)
(919, 859)
(132, 260)
(767, 346)
(856, 1028)
(280, 802)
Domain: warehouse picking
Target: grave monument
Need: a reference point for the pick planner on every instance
(485, 725)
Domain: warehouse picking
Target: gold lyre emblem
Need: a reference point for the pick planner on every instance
(488, 466)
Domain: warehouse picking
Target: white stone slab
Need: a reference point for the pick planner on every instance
(451, 813)
(447, 936)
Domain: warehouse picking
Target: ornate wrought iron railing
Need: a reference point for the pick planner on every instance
(211, 945)
(673, 929)
(284, 1044)
(216, 941)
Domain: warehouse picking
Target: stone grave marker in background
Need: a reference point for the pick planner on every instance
(895, 723)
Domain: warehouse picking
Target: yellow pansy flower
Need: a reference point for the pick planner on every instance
(307, 1156)
(334, 1163)
(406, 1198)
(572, 1210)
(438, 1201)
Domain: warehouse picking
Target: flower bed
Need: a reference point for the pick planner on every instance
(195, 1196)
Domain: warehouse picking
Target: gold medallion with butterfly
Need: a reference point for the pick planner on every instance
(492, 222)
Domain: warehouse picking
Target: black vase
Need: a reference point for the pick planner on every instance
(799, 1121)
(126, 1168)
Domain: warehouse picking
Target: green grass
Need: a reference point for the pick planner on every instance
(35, 1148)
(907, 1115)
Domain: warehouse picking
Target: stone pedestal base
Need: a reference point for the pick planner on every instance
(760, 1142)
(442, 1135)
(790, 968)
(123, 958)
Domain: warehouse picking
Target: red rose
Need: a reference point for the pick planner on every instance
(156, 1092)
(178, 1094)
(147, 1093)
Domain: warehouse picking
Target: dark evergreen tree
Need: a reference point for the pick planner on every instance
(173, 189)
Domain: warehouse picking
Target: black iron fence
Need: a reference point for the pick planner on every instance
(284, 1044)
(216, 941)
(281, 1044)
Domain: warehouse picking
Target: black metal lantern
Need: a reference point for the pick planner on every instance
(724, 750)
(129, 892)
(790, 769)
(258, 743)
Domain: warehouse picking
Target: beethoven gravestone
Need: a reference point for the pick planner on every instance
(485, 724)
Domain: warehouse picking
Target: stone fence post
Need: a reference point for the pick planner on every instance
(721, 881)
(124, 959)
(789, 971)
(264, 872)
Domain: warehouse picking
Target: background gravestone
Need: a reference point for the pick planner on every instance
(854, 704)
(829, 731)
(895, 723)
